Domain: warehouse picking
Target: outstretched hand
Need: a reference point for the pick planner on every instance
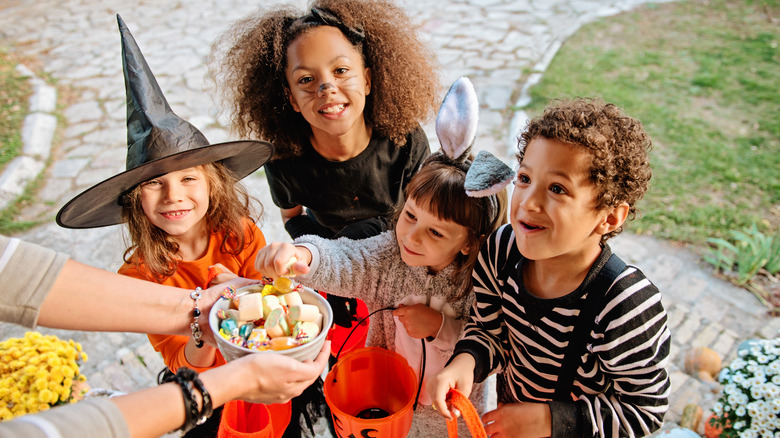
(208, 298)
(459, 374)
(274, 378)
(219, 274)
(281, 259)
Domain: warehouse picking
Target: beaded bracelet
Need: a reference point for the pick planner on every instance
(195, 326)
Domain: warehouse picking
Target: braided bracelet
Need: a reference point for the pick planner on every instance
(206, 407)
(190, 406)
(188, 381)
(195, 326)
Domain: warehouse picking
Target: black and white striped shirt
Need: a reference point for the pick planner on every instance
(621, 387)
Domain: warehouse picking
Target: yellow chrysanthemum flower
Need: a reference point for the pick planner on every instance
(40, 384)
(37, 372)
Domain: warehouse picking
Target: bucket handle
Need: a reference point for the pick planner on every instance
(469, 413)
(422, 368)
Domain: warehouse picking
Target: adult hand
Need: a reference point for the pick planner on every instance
(208, 298)
(219, 274)
(274, 378)
(518, 420)
(459, 374)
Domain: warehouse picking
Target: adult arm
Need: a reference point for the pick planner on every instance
(87, 298)
(156, 411)
(43, 287)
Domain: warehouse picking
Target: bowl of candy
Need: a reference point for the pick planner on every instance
(272, 317)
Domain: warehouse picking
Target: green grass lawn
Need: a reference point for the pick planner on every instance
(704, 78)
(14, 92)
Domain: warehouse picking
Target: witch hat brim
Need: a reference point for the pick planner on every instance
(159, 142)
(99, 206)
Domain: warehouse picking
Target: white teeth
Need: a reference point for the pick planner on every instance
(333, 109)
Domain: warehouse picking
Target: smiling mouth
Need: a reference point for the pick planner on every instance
(175, 214)
(410, 251)
(333, 109)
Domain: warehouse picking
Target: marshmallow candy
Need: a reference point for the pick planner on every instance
(250, 307)
(304, 313)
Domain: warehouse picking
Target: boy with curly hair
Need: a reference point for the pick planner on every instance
(578, 338)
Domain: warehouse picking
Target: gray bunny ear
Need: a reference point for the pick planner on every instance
(487, 175)
(456, 123)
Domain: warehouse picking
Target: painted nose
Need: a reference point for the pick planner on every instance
(325, 88)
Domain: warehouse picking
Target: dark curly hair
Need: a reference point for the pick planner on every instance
(619, 146)
(248, 65)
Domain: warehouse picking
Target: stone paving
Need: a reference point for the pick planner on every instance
(504, 46)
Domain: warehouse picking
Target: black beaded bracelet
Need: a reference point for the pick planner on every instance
(195, 326)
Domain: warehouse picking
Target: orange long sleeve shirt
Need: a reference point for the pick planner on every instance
(191, 274)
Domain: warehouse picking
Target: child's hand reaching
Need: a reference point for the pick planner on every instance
(419, 320)
(280, 259)
(459, 374)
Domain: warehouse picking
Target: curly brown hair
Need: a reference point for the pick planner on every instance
(619, 146)
(230, 206)
(248, 64)
(438, 187)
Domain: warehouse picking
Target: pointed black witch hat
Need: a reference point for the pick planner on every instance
(158, 142)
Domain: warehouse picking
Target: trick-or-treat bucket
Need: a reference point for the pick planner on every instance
(253, 420)
(346, 339)
(371, 392)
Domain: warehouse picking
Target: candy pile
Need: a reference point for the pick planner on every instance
(270, 316)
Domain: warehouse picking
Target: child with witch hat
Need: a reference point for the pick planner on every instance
(184, 208)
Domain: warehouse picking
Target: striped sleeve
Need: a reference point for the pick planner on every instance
(27, 273)
(632, 344)
(485, 335)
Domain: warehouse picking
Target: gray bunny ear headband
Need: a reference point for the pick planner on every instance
(456, 127)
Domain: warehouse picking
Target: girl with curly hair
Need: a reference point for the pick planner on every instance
(340, 90)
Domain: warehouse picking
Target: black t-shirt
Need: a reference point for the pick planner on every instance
(338, 193)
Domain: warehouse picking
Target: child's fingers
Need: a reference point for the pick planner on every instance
(441, 407)
(300, 268)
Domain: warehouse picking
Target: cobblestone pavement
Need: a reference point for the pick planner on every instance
(494, 42)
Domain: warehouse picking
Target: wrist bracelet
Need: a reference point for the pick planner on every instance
(195, 326)
(188, 394)
(188, 381)
(206, 408)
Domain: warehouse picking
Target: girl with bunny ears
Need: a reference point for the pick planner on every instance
(422, 267)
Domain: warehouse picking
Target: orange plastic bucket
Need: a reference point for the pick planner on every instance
(370, 392)
(241, 419)
(343, 338)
